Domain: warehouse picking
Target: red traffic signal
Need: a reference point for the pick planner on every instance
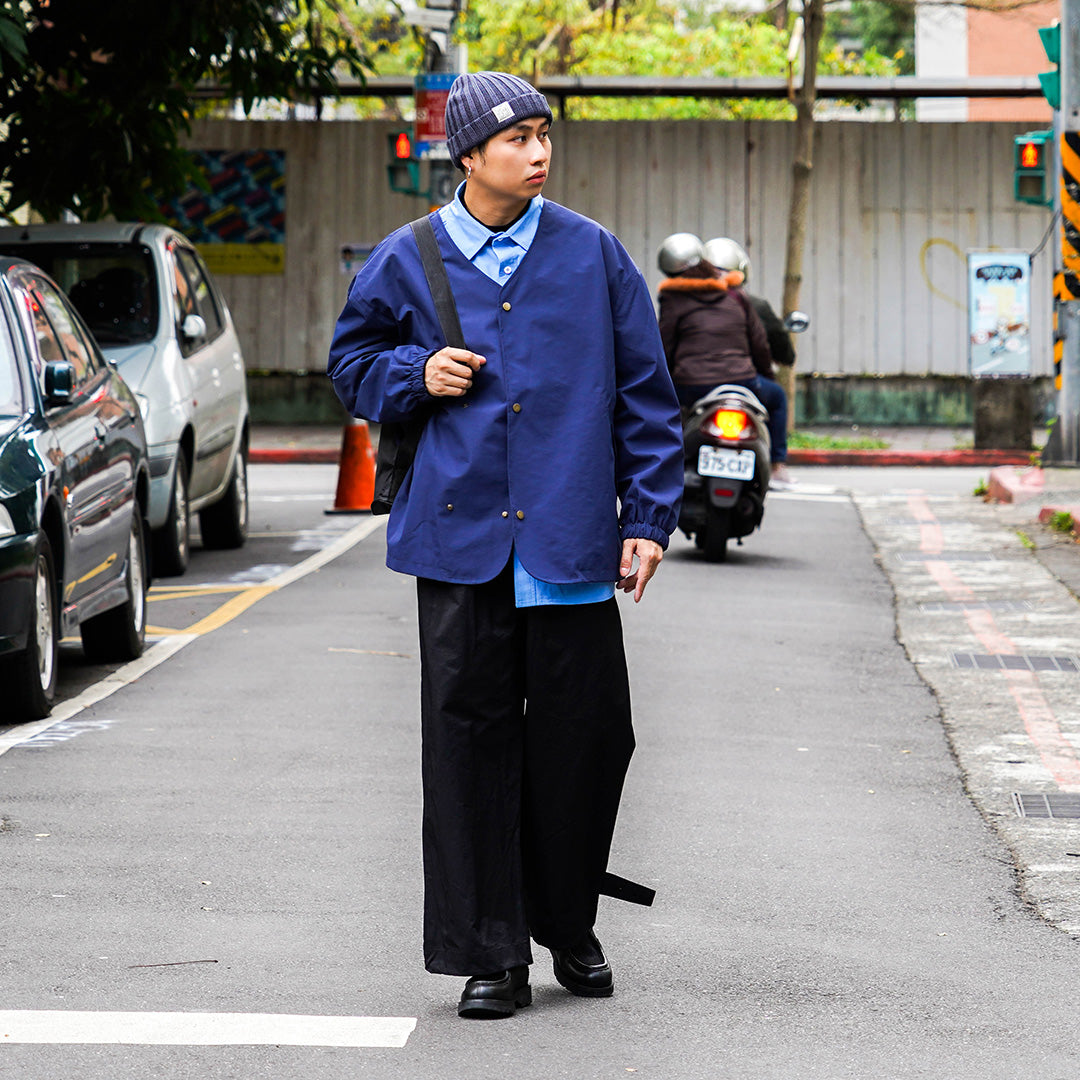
(1031, 155)
(403, 146)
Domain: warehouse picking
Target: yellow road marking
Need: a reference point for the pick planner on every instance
(247, 595)
(178, 593)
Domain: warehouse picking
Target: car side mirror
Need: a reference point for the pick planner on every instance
(59, 381)
(193, 327)
(796, 322)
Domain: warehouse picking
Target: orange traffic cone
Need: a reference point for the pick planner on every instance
(356, 471)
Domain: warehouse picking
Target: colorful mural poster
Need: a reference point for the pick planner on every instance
(238, 223)
(999, 313)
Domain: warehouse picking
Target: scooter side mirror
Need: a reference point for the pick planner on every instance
(796, 322)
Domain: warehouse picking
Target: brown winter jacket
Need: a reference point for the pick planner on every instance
(711, 333)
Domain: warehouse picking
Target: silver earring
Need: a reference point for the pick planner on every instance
(468, 175)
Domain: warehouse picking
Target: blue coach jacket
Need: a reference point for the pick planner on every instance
(569, 440)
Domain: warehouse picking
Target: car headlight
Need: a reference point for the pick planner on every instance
(7, 526)
(144, 406)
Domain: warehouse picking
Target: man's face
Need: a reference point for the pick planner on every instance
(514, 163)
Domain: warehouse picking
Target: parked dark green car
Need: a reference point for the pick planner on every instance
(74, 485)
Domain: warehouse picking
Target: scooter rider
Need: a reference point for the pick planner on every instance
(712, 335)
(726, 255)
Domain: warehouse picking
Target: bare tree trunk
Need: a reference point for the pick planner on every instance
(802, 169)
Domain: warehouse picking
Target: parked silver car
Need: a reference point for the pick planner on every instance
(156, 312)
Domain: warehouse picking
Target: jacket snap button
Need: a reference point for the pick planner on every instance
(517, 407)
(506, 513)
(449, 506)
(506, 306)
(521, 515)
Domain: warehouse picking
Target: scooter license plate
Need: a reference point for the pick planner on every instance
(727, 464)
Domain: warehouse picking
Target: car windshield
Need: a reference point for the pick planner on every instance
(12, 401)
(112, 285)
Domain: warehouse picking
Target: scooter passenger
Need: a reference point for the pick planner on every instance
(712, 335)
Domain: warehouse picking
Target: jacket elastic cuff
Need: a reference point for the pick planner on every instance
(417, 388)
(638, 530)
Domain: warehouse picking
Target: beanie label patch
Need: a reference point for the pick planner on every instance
(503, 111)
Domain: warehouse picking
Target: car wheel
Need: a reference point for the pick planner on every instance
(172, 542)
(31, 674)
(120, 634)
(225, 523)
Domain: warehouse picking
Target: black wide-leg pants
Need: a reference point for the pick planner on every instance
(526, 741)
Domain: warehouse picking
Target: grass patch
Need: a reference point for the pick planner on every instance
(807, 440)
(1061, 521)
(1026, 540)
(981, 489)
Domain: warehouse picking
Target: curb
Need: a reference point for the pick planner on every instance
(294, 455)
(1010, 485)
(909, 457)
(1073, 510)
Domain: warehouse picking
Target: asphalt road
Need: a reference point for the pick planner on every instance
(236, 832)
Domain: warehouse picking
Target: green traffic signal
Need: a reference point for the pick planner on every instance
(1050, 81)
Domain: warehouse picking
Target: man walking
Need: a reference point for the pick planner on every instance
(549, 469)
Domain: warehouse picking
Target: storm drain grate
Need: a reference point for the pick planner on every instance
(998, 607)
(946, 556)
(1061, 804)
(1014, 662)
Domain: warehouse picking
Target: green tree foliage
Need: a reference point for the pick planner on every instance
(640, 37)
(94, 97)
(885, 26)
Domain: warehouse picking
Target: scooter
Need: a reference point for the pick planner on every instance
(727, 468)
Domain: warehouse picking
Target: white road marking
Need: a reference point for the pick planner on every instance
(159, 653)
(203, 1029)
(821, 495)
(122, 676)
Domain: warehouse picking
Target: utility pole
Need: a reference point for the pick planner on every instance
(1063, 447)
(442, 58)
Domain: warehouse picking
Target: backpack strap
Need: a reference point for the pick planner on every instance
(438, 282)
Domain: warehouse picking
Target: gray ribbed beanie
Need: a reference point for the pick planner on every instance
(482, 103)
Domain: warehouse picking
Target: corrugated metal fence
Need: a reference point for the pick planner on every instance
(894, 207)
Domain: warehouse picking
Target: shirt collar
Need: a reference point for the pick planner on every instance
(472, 235)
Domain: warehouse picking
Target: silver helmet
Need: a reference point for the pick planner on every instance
(679, 252)
(725, 254)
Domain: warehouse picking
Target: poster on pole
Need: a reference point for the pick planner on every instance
(999, 314)
(429, 131)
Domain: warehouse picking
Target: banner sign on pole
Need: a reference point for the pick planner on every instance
(999, 313)
(429, 132)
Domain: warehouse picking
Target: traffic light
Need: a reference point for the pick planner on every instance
(1050, 36)
(403, 170)
(1031, 168)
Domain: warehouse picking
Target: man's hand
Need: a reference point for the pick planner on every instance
(449, 372)
(649, 554)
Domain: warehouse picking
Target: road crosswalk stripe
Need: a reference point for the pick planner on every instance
(203, 1029)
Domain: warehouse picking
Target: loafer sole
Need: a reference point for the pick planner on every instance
(583, 989)
(487, 1008)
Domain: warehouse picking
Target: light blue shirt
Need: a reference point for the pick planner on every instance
(498, 255)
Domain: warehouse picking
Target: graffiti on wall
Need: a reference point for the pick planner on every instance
(238, 220)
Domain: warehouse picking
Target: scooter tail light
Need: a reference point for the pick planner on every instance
(732, 425)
